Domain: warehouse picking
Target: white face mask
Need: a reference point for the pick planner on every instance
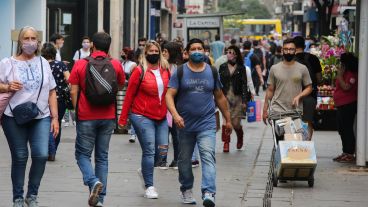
(86, 45)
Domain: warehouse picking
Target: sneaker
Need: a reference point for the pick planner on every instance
(187, 197)
(31, 201)
(139, 171)
(151, 193)
(162, 165)
(174, 165)
(74, 123)
(195, 163)
(63, 121)
(95, 192)
(66, 124)
(208, 200)
(18, 202)
(132, 138)
(99, 204)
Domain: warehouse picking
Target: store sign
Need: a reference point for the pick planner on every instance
(203, 22)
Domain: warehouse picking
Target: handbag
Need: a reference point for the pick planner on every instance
(26, 112)
(5, 97)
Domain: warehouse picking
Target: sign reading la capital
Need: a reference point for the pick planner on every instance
(203, 22)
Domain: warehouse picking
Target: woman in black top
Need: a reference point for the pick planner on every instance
(61, 76)
(233, 76)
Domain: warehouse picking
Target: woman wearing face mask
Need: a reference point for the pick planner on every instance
(145, 100)
(233, 76)
(85, 51)
(29, 77)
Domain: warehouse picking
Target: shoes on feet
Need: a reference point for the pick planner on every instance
(208, 199)
(99, 204)
(162, 165)
(31, 201)
(195, 163)
(174, 165)
(132, 138)
(95, 192)
(18, 202)
(187, 197)
(51, 158)
(151, 193)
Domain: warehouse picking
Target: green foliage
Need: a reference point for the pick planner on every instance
(252, 9)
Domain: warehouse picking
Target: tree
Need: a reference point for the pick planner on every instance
(251, 8)
(324, 13)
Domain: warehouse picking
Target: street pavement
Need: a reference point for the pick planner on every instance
(242, 176)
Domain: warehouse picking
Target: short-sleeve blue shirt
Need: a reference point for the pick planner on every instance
(195, 100)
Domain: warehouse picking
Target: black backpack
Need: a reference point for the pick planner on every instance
(101, 81)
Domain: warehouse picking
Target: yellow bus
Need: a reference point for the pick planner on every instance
(252, 28)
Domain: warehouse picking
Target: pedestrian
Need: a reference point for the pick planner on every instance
(233, 76)
(138, 52)
(61, 75)
(146, 107)
(258, 51)
(254, 63)
(128, 64)
(172, 52)
(96, 113)
(217, 47)
(277, 56)
(345, 98)
(85, 51)
(288, 83)
(58, 41)
(29, 77)
(196, 87)
(315, 71)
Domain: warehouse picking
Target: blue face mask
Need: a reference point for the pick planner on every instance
(197, 57)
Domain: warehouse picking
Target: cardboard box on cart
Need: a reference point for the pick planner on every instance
(295, 159)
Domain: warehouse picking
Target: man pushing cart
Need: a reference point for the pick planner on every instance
(288, 82)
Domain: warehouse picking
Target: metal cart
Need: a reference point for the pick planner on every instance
(292, 172)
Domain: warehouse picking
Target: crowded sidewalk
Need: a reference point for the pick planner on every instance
(242, 175)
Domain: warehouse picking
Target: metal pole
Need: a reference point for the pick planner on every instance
(362, 121)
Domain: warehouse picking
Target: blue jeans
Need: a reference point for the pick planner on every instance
(206, 141)
(54, 141)
(94, 134)
(153, 138)
(195, 153)
(36, 133)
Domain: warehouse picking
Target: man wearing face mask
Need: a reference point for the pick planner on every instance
(85, 51)
(285, 84)
(196, 87)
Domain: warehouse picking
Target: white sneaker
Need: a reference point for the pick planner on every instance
(187, 197)
(132, 138)
(151, 193)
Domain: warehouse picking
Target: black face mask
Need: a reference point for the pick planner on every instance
(232, 62)
(153, 58)
(123, 57)
(289, 57)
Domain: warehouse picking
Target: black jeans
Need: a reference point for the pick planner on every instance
(345, 122)
(174, 136)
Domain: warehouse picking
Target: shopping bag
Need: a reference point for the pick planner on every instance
(251, 111)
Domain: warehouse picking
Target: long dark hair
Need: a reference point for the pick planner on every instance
(175, 51)
(239, 59)
(349, 61)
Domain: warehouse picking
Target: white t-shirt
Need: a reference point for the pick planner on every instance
(160, 83)
(83, 54)
(58, 56)
(127, 65)
(250, 81)
(28, 73)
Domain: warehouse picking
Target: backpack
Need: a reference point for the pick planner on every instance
(101, 81)
(247, 59)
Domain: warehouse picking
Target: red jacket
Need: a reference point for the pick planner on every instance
(143, 99)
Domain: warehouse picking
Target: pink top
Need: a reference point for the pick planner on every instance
(342, 97)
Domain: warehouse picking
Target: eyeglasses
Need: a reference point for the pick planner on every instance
(288, 50)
